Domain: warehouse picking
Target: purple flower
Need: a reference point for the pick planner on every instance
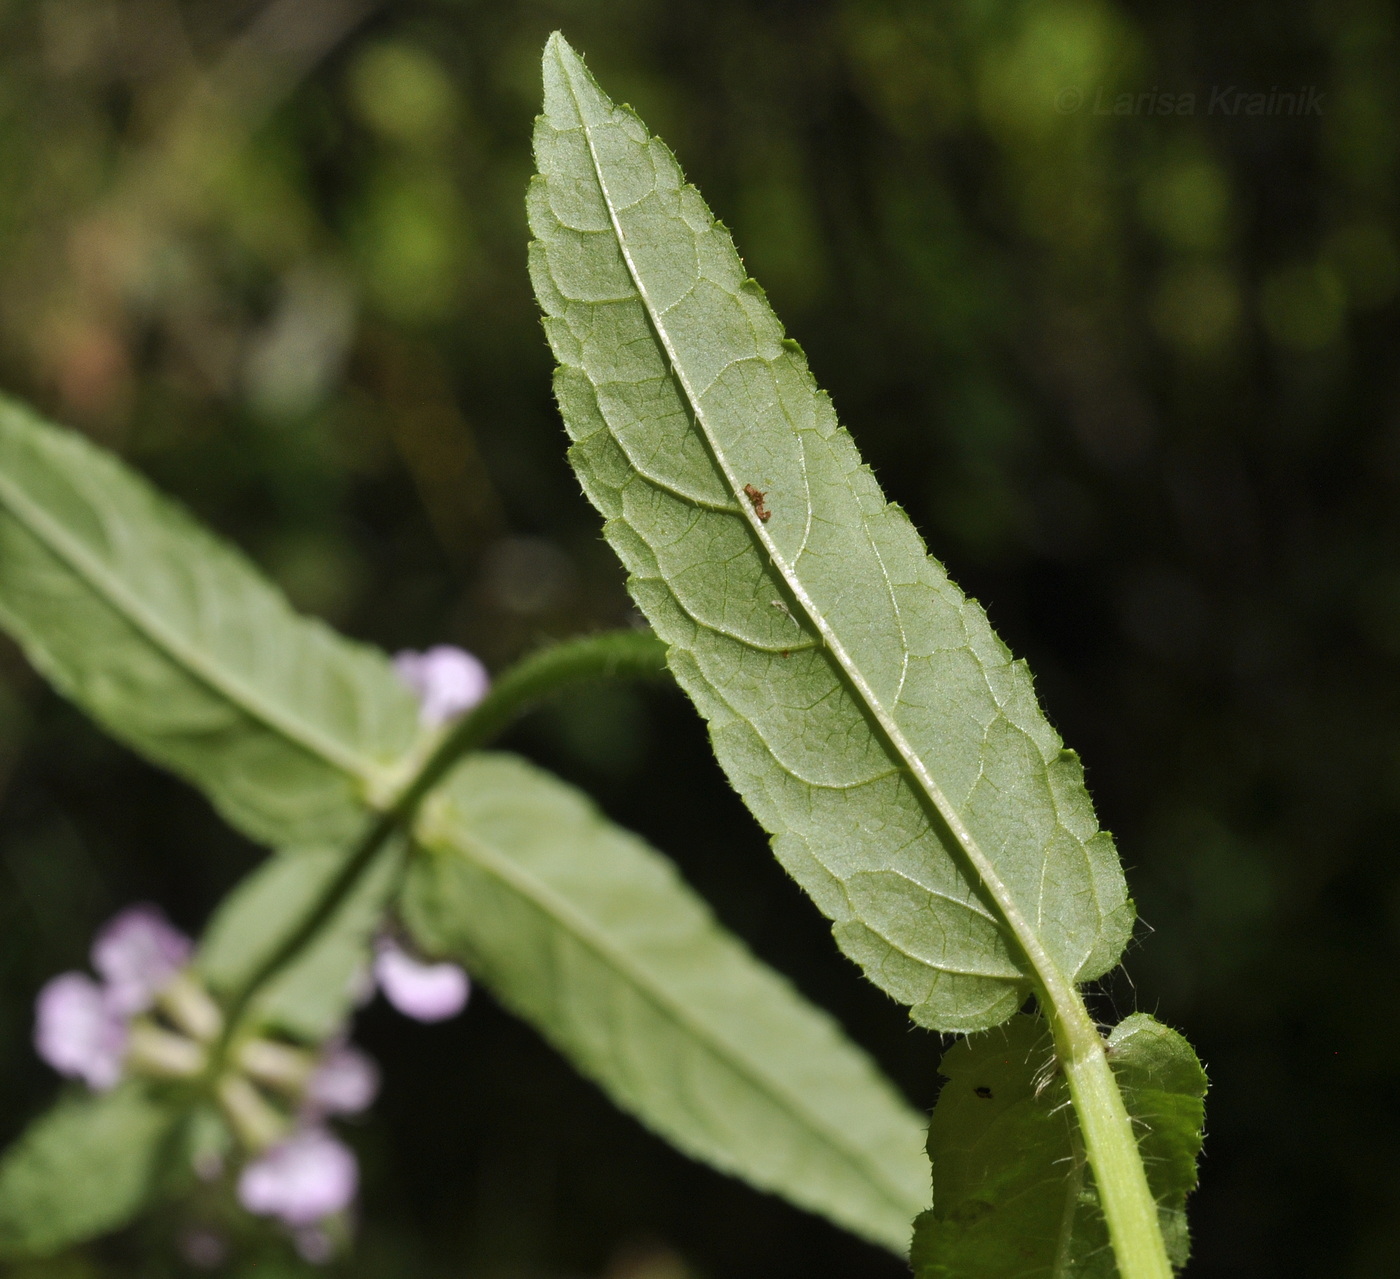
(308, 1176)
(448, 680)
(345, 1082)
(77, 1032)
(425, 992)
(81, 1026)
(301, 1180)
(137, 953)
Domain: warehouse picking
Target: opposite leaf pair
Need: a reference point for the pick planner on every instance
(184, 651)
(1010, 1192)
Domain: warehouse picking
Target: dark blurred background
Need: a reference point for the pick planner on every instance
(1130, 363)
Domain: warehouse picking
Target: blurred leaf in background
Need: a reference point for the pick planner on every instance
(1133, 376)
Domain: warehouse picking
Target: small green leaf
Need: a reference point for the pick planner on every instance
(858, 701)
(83, 1169)
(311, 997)
(178, 646)
(1164, 1088)
(1013, 1198)
(589, 934)
(1005, 1175)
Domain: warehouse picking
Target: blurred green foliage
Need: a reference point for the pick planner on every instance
(1133, 374)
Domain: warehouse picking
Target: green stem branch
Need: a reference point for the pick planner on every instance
(610, 655)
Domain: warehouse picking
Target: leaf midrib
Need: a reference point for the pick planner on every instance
(1054, 983)
(558, 907)
(109, 586)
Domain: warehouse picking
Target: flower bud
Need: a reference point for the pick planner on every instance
(280, 1066)
(185, 1001)
(162, 1053)
(257, 1122)
(447, 680)
(419, 989)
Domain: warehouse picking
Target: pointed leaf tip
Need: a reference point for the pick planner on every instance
(563, 73)
(561, 52)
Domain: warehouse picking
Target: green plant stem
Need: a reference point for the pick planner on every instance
(610, 655)
(1134, 1228)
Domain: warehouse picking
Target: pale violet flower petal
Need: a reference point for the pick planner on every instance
(345, 1082)
(425, 992)
(302, 1180)
(447, 680)
(77, 1032)
(137, 953)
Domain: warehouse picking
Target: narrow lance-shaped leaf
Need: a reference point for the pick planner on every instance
(178, 646)
(857, 700)
(590, 935)
(1012, 1196)
(86, 1167)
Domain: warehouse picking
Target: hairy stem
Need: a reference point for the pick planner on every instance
(610, 655)
(1119, 1177)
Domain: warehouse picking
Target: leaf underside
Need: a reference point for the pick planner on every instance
(82, 1169)
(178, 646)
(1013, 1198)
(859, 703)
(311, 997)
(182, 649)
(590, 935)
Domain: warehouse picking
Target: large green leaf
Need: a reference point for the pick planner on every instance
(179, 646)
(591, 936)
(310, 997)
(1012, 1196)
(82, 1169)
(857, 700)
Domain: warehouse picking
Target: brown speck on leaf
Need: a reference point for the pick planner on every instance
(984, 1092)
(786, 653)
(756, 496)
